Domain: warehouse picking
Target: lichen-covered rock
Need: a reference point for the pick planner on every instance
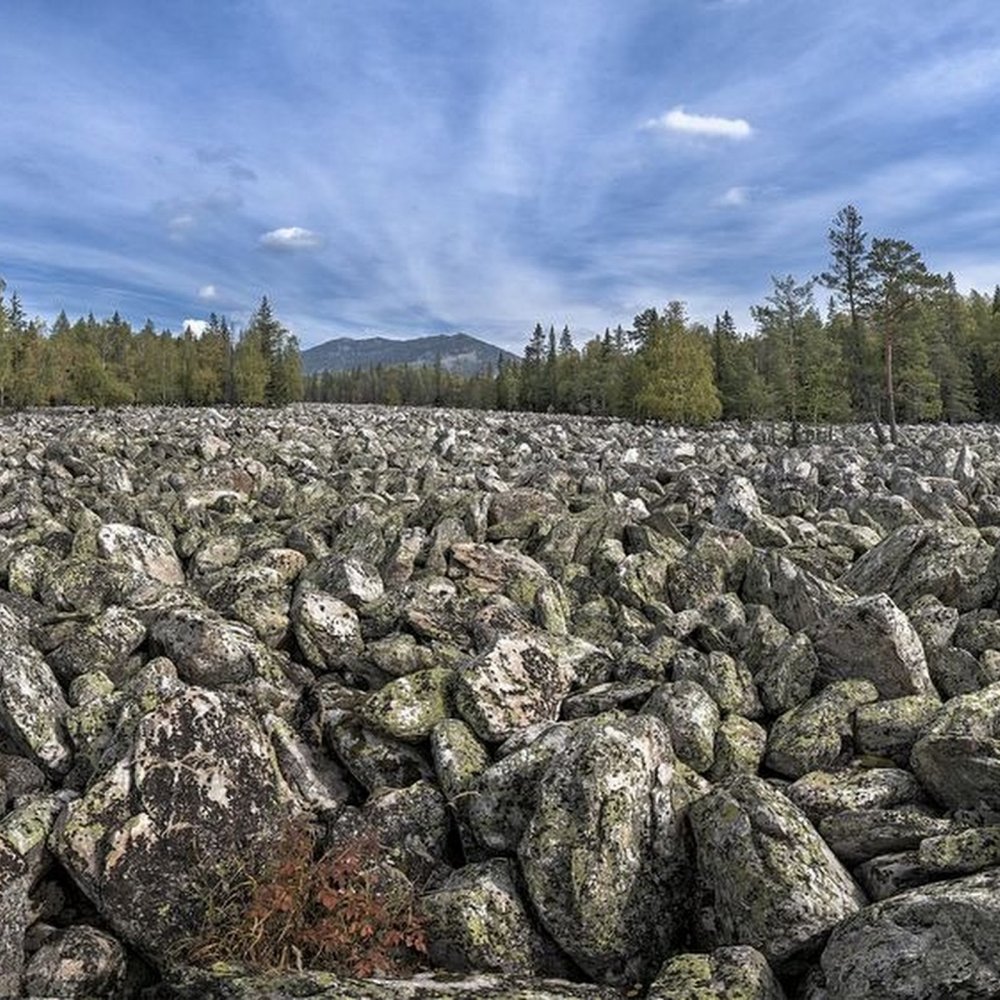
(812, 736)
(133, 548)
(240, 984)
(734, 973)
(208, 650)
(374, 760)
(957, 759)
(727, 681)
(503, 799)
(737, 504)
(739, 748)
(326, 629)
(929, 943)
(871, 638)
(32, 705)
(459, 761)
(889, 729)
(78, 961)
(799, 599)
(604, 855)
(106, 644)
(692, 719)
(774, 884)
(823, 793)
(949, 562)
(477, 921)
(786, 679)
(409, 707)
(962, 852)
(513, 684)
(199, 781)
(857, 835)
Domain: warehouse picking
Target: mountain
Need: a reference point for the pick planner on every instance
(458, 352)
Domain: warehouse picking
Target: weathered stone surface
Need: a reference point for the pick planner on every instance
(604, 855)
(739, 748)
(327, 629)
(735, 973)
(410, 707)
(513, 684)
(133, 548)
(786, 679)
(728, 681)
(477, 921)
(871, 638)
(824, 793)
(935, 941)
(957, 759)
(199, 774)
(857, 835)
(812, 736)
(195, 984)
(691, 717)
(774, 884)
(889, 729)
(948, 562)
(79, 961)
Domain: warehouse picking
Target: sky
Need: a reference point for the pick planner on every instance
(409, 167)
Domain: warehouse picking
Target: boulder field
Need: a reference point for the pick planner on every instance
(638, 711)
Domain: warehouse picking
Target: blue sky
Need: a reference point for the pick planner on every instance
(427, 166)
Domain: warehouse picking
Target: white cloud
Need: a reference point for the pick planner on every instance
(291, 238)
(179, 226)
(208, 293)
(679, 120)
(735, 197)
(198, 326)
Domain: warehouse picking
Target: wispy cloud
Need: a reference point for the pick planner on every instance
(208, 293)
(291, 238)
(735, 197)
(679, 120)
(196, 326)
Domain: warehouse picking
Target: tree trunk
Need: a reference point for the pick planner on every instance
(890, 396)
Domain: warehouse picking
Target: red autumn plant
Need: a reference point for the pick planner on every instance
(348, 911)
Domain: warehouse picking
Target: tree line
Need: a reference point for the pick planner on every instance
(891, 342)
(106, 362)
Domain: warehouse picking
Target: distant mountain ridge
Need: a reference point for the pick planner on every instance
(458, 352)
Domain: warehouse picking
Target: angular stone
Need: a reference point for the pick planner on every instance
(512, 685)
(811, 737)
(957, 759)
(871, 638)
(786, 680)
(824, 793)
(931, 942)
(691, 717)
(727, 681)
(133, 548)
(409, 707)
(327, 629)
(477, 922)
(860, 834)
(949, 562)
(775, 884)
(77, 961)
(604, 855)
(890, 728)
(199, 781)
(739, 749)
(735, 973)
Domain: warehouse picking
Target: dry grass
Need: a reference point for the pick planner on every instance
(348, 911)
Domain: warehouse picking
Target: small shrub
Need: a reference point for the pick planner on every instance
(348, 911)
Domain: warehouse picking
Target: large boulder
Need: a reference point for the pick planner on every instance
(871, 638)
(604, 856)
(772, 881)
(952, 563)
(197, 784)
(931, 943)
(957, 758)
(131, 547)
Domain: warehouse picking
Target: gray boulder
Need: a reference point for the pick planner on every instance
(604, 855)
(735, 973)
(773, 883)
(871, 638)
(931, 943)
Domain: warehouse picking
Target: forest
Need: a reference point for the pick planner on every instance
(876, 337)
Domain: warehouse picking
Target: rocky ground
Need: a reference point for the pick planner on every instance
(678, 714)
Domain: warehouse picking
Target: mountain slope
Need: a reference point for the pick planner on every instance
(458, 352)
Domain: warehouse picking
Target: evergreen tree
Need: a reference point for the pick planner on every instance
(898, 279)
